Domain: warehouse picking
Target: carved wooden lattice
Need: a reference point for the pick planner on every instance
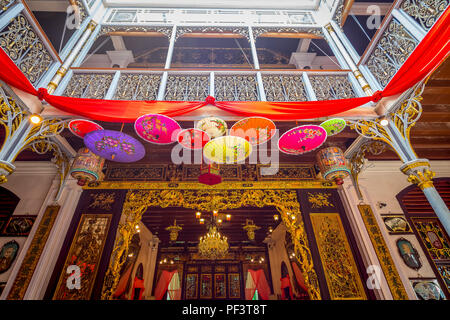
(235, 88)
(391, 51)
(22, 44)
(187, 88)
(93, 85)
(284, 88)
(137, 87)
(332, 87)
(424, 12)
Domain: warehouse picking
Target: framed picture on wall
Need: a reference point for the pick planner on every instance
(396, 224)
(427, 289)
(18, 226)
(409, 254)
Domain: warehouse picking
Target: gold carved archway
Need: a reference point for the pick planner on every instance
(230, 196)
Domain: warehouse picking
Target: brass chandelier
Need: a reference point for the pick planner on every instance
(213, 245)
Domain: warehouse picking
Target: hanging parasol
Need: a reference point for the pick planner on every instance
(81, 127)
(114, 145)
(213, 126)
(227, 149)
(302, 139)
(157, 128)
(333, 126)
(192, 138)
(256, 130)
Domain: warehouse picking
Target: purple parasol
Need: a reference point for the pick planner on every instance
(114, 145)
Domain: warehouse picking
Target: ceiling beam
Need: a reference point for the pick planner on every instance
(48, 5)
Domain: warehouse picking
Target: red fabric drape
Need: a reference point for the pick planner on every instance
(138, 283)
(163, 283)
(122, 286)
(286, 283)
(426, 57)
(299, 276)
(260, 284)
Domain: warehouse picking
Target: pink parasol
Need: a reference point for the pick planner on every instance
(302, 139)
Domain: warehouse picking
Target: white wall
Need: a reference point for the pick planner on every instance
(380, 182)
(278, 254)
(31, 182)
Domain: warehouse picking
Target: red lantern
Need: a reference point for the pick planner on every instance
(210, 174)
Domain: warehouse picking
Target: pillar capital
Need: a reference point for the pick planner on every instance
(419, 172)
(6, 169)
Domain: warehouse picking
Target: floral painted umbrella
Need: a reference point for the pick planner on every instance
(256, 130)
(193, 138)
(114, 145)
(227, 149)
(333, 126)
(302, 139)
(81, 127)
(213, 126)
(157, 128)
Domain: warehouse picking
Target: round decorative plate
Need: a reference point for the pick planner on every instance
(157, 128)
(302, 139)
(81, 127)
(333, 126)
(193, 138)
(227, 149)
(256, 130)
(114, 146)
(213, 126)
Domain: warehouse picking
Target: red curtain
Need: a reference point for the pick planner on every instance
(286, 283)
(138, 283)
(122, 286)
(426, 57)
(299, 276)
(163, 283)
(259, 283)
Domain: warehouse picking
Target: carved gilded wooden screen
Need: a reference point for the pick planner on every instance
(429, 231)
(338, 263)
(85, 252)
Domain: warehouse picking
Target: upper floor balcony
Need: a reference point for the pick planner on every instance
(169, 52)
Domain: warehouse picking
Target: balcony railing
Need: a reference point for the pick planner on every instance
(24, 42)
(125, 84)
(401, 31)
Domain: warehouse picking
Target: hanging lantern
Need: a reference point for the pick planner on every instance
(332, 164)
(87, 167)
(210, 174)
(174, 230)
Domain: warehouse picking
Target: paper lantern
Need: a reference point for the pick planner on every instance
(256, 130)
(156, 128)
(210, 174)
(192, 138)
(333, 126)
(227, 149)
(213, 126)
(114, 145)
(87, 167)
(302, 139)
(332, 164)
(81, 127)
